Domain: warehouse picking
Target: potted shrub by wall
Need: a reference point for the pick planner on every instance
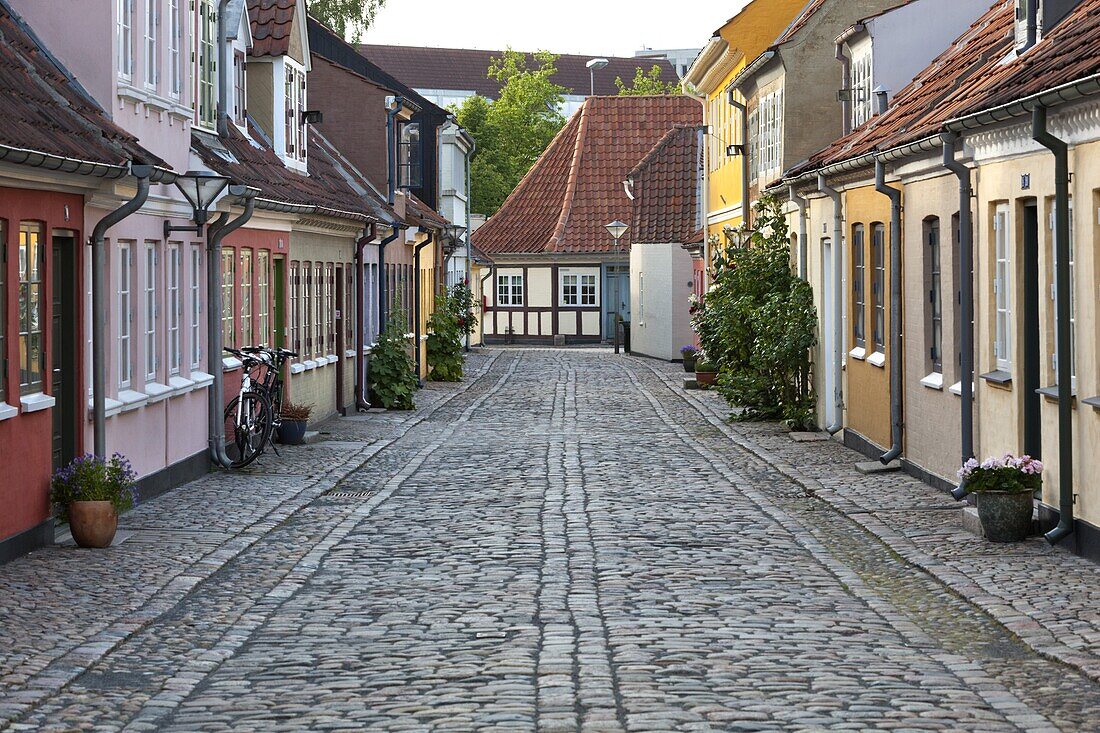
(706, 372)
(293, 421)
(1004, 488)
(689, 354)
(89, 493)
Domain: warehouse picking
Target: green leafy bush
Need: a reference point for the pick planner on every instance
(392, 375)
(453, 319)
(758, 323)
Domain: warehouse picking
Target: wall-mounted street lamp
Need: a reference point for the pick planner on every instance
(617, 230)
(200, 188)
(594, 65)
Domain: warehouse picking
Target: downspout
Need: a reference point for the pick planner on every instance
(744, 110)
(966, 302)
(1032, 26)
(895, 310)
(215, 233)
(481, 325)
(469, 232)
(702, 100)
(383, 281)
(800, 202)
(838, 304)
(99, 304)
(361, 402)
(223, 70)
(1062, 285)
(846, 101)
(417, 296)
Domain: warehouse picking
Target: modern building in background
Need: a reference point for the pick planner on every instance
(447, 76)
(680, 58)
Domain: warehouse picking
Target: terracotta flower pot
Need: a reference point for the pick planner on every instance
(706, 379)
(1005, 515)
(93, 523)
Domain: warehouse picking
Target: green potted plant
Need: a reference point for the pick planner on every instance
(89, 493)
(293, 419)
(689, 354)
(1004, 488)
(706, 371)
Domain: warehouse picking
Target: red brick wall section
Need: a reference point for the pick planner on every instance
(355, 117)
(26, 439)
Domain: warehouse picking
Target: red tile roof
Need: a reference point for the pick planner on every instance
(576, 186)
(272, 23)
(420, 214)
(255, 164)
(975, 74)
(466, 69)
(666, 189)
(46, 110)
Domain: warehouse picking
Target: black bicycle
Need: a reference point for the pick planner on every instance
(253, 415)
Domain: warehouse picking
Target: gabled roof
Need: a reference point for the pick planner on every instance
(272, 26)
(465, 69)
(665, 186)
(46, 111)
(800, 21)
(245, 160)
(978, 72)
(576, 186)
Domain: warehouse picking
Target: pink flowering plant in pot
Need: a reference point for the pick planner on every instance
(1004, 488)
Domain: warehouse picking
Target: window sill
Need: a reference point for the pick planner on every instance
(309, 364)
(229, 363)
(878, 358)
(111, 407)
(7, 411)
(180, 385)
(348, 353)
(157, 391)
(332, 358)
(201, 379)
(956, 389)
(933, 381)
(1093, 402)
(999, 378)
(35, 402)
(132, 399)
(1050, 394)
(297, 368)
(858, 353)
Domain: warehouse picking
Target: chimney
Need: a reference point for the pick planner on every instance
(882, 100)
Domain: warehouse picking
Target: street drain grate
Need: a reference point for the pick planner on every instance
(338, 493)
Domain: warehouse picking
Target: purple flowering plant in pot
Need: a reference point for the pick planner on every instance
(1004, 488)
(689, 353)
(89, 493)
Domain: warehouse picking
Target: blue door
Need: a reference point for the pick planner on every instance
(616, 297)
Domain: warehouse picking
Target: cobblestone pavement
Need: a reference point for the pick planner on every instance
(564, 542)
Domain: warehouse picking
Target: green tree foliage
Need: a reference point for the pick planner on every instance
(392, 379)
(512, 131)
(646, 83)
(349, 18)
(758, 323)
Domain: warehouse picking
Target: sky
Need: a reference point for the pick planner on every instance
(597, 27)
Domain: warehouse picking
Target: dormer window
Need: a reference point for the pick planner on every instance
(239, 87)
(206, 105)
(860, 86)
(409, 160)
(1022, 22)
(295, 104)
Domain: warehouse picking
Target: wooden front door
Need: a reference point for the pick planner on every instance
(64, 349)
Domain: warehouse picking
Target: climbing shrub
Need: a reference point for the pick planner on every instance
(758, 323)
(392, 375)
(445, 340)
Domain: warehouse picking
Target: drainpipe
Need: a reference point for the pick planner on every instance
(391, 149)
(481, 325)
(838, 304)
(223, 70)
(361, 402)
(469, 233)
(1062, 285)
(416, 296)
(745, 214)
(215, 233)
(895, 310)
(800, 202)
(99, 304)
(966, 302)
(845, 103)
(1032, 25)
(702, 100)
(383, 281)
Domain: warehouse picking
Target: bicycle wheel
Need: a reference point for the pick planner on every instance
(247, 434)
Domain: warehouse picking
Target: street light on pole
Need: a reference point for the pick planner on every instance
(617, 229)
(594, 65)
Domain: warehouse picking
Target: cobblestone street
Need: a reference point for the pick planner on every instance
(566, 541)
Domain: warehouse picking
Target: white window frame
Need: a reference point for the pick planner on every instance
(125, 313)
(859, 87)
(570, 289)
(510, 290)
(318, 295)
(588, 290)
(125, 39)
(195, 305)
(175, 45)
(1002, 289)
(294, 103)
(247, 263)
(151, 310)
(263, 296)
(228, 286)
(206, 66)
(152, 47)
(174, 308)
